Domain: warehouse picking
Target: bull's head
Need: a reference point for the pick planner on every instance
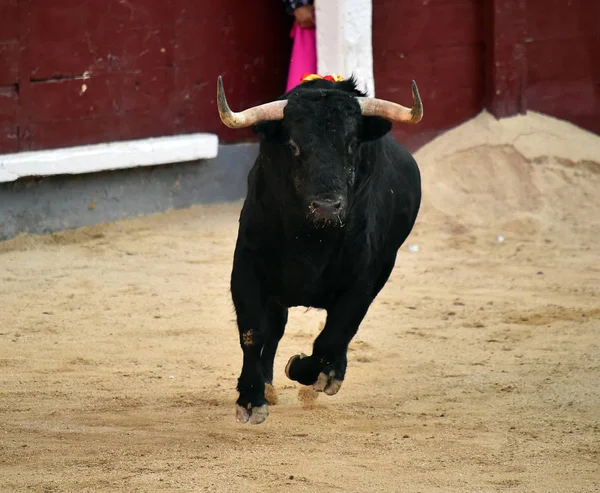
(314, 138)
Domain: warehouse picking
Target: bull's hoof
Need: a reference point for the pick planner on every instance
(252, 415)
(304, 369)
(326, 382)
(290, 363)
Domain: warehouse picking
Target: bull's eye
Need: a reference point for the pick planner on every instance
(352, 147)
(294, 148)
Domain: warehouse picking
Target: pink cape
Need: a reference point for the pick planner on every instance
(304, 55)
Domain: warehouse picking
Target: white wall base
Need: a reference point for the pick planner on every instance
(109, 156)
(344, 40)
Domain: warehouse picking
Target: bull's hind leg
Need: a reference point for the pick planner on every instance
(326, 367)
(251, 309)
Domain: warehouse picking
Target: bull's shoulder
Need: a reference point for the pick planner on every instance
(387, 162)
(258, 227)
(392, 150)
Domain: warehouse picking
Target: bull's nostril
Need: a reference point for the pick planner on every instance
(325, 204)
(326, 209)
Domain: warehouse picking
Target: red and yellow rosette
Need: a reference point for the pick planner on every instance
(332, 78)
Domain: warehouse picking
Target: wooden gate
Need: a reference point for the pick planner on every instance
(506, 55)
(85, 71)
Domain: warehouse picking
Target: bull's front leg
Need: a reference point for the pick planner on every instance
(325, 369)
(250, 303)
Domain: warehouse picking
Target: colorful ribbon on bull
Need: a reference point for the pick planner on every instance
(332, 78)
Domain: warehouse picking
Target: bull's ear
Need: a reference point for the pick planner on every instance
(374, 127)
(268, 129)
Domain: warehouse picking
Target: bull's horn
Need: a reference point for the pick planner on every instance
(393, 111)
(247, 118)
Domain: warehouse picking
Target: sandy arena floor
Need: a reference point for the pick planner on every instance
(476, 370)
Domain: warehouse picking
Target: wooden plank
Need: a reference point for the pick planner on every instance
(147, 90)
(439, 44)
(394, 69)
(9, 21)
(194, 98)
(142, 123)
(506, 61)
(9, 129)
(9, 137)
(589, 17)
(9, 102)
(55, 134)
(64, 38)
(451, 66)
(98, 41)
(136, 50)
(459, 66)
(410, 26)
(254, 68)
(24, 14)
(147, 14)
(570, 59)
(9, 62)
(565, 99)
(552, 19)
(73, 99)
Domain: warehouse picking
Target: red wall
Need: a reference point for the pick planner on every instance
(439, 44)
(153, 66)
(563, 59)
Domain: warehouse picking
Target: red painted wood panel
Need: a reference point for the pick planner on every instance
(9, 137)
(150, 66)
(9, 62)
(90, 71)
(72, 99)
(565, 98)
(559, 19)
(560, 59)
(439, 44)
(506, 58)
(65, 133)
(9, 20)
(412, 24)
(563, 50)
(9, 103)
(9, 130)
(251, 56)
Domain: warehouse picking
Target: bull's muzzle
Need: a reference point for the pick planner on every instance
(327, 211)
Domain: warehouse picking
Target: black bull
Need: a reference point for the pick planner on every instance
(331, 198)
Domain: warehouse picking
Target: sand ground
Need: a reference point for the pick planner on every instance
(476, 370)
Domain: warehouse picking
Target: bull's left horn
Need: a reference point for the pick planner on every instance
(247, 118)
(393, 111)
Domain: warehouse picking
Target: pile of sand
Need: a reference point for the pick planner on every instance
(523, 175)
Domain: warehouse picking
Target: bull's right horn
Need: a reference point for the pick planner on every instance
(247, 118)
(393, 111)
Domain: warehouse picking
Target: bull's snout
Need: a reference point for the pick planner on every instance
(327, 210)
